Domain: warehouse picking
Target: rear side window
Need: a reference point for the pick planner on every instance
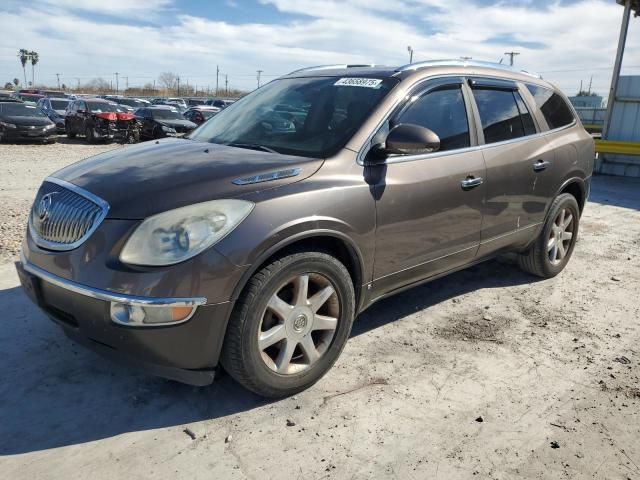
(442, 111)
(553, 107)
(501, 115)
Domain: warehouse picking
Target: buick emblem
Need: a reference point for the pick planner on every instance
(44, 207)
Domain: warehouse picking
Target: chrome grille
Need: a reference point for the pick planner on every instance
(63, 215)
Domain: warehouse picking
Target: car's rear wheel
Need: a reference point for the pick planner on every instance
(290, 324)
(88, 133)
(68, 131)
(553, 248)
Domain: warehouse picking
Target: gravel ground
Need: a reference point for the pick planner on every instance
(22, 168)
(488, 373)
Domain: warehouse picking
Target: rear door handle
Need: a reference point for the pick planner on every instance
(471, 182)
(540, 165)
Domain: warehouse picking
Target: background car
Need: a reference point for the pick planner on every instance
(162, 121)
(31, 98)
(219, 102)
(55, 109)
(200, 114)
(22, 121)
(95, 118)
(128, 103)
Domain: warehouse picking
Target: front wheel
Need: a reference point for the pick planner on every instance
(553, 248)
(290, 324)
(88, 133)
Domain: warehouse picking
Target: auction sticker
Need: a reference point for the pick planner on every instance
(359, 82)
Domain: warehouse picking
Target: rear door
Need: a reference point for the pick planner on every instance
(429, 214)
(515, 155)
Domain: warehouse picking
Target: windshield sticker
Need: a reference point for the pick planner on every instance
(358, 82)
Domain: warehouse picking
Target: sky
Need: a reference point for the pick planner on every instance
(566, 41)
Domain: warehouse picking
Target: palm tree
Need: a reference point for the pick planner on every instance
(34, 60)
(16, 81)
(23, 55)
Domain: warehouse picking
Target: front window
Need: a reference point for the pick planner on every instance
(100, 107)
(166, 114)
(20, 110)
(312, 117)
(59, 104)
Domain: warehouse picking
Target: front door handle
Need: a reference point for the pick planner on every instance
(471, 182)
(540, 165)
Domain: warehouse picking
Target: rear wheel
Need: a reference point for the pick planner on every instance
(67, 129)
(290, 324)
(88, 133)
(553, 248)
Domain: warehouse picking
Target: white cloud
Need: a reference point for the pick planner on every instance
(580, 35)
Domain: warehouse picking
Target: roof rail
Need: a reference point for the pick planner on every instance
(332, 67)
(463, 63)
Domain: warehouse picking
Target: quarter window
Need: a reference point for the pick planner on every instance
(553, 107)
(502, 116)
(442, 111)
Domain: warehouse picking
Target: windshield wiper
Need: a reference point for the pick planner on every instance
(251, 146)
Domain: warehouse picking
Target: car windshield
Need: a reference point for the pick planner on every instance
(207, 113)
(100, 107)
(129, 101)
(312, 117)
(20, 110)
(165, 114)
(59, 104)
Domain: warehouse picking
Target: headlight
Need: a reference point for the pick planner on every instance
(177, 235)
(7, 125)
(168, 129)
(49, 127)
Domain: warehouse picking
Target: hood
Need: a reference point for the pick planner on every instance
(153, 177)
(27, 121)
(173, 123)
(61, 113)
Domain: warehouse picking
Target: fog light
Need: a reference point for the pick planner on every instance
(138, 315)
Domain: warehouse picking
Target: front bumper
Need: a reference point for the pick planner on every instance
(38, 134)
(186, 352)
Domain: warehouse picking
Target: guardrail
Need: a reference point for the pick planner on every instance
(616, 147)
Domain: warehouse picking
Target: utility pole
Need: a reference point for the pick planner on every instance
(580, 91)
(590, 83)
(78, 83)
(259, 73)
(116, 74)
(410, 50)
(58, 75)
(217, 75)
(178, 86)
(511, 55)
(226, 84)
(126, 87)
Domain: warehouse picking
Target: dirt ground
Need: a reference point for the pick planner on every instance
(488, 373)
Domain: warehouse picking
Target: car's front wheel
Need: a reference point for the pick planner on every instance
(553, 248)
(70, 133)
(290, 324)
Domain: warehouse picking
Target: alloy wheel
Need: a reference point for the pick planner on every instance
(299, 323)
(560, 236)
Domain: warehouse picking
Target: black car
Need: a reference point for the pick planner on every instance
(19, 121)
(55, 108)
(200, 114)
(95, 118)
(159, 122)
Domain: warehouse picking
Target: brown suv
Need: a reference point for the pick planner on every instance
(256, 240)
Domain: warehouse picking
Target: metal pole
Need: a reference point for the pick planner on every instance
(58, 75)
(217, 75)
(616, 67)
(116, 82)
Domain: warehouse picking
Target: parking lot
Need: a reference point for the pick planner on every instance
(487, 372)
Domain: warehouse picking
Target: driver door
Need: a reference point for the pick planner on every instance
(429, 206)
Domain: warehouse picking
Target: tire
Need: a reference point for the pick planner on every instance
(538, 260)
(70, 134)
(88, 133)
(260, 369)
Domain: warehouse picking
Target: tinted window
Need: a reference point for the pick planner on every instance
(525, 115)
(99, 107)
(442, 111)
(500, 115)
(553, 107)
(165, 114)
(59, 104)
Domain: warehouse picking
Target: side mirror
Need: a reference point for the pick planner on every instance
(408, 139)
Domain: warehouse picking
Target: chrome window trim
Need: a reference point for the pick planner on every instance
(109, 296)
(103, 205)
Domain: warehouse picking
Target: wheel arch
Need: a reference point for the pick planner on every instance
(575, 186)
(335, 243)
